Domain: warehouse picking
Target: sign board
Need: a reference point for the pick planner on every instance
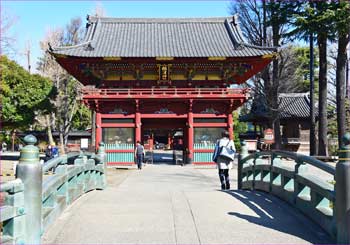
(251, 145)
(269, 137)
(164, 72)
(84, 143)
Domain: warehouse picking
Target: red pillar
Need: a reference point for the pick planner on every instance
(169, 140)
(98, 129)
(137, 123)
(230, 125)
(150, 141)
(190, 134)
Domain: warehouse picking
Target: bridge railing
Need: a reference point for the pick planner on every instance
(12, 212)
(287, 175)
(35, 203)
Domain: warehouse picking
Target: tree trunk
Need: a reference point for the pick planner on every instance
(340, 84)
(62, 148)
(313, 148)
(49, 130)
(67, 127)
(274, 104)
(264, 42)
(322, 105)
(347, 94)
(66, 141)
(275, 78)
(61, 134)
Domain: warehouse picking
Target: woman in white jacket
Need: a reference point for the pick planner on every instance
(224, 164)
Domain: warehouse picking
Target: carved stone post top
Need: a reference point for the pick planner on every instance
(101, 148)
(30, 153)
(344, 151)
(346, 139)
(244, 148)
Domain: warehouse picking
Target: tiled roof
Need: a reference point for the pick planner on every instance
(294, 105)
(173, 37)
(290, 106)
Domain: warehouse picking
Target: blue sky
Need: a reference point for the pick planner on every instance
(34, 18)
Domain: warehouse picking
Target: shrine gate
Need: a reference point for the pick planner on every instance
(145, 77)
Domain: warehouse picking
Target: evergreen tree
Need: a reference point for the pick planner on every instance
(342, 25)
(266, 23)
(317, 17)
(23, 95)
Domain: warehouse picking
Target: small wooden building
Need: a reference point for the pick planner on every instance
(294, 113)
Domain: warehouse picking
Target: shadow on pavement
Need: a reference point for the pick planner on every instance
(278, 215)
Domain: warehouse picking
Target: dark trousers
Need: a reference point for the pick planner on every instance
(139, 158)
(224, 179)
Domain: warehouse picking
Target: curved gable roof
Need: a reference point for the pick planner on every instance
(160, 37)
(290, 106)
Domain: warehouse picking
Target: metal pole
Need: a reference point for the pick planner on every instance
(342, 189)
(29, 170)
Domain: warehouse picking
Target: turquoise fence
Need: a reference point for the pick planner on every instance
(119, 146)
(201, 146)
(203, 157)
(31, 203)
(120, 157)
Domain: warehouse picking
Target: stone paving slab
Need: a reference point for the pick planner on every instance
(167, 204)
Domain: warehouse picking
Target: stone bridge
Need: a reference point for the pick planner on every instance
(171, 204)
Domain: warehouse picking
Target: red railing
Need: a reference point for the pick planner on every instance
(180, 92)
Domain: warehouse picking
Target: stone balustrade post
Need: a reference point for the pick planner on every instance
(243, 154)
(342, 189)
(29, 170)
(102, 154)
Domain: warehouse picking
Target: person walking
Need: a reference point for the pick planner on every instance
(54, 150)
(139, 154)
(224, 160)
(48, 153)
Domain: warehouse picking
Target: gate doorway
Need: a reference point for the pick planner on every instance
(164, 140)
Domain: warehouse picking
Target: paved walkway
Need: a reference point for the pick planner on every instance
(167, 204)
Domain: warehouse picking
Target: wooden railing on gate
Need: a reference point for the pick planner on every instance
(164, 92)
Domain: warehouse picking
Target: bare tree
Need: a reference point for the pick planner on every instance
(65, 103)
(7, 39)
(263, 24)
(48, 67)
(73, 32)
